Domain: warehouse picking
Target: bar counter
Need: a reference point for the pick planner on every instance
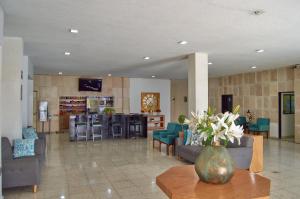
(107, 125)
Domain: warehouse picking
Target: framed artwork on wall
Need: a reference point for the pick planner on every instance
(150, 102)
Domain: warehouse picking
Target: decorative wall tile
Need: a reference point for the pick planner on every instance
(273, 75)
(258, 91)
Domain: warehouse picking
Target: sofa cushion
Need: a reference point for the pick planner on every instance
(23, 147)
(189, 137)
(29, 133)
(196, 141)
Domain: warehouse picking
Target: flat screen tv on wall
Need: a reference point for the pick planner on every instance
(90, 85)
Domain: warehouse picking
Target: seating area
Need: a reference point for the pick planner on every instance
(23, 169)
(149, 99)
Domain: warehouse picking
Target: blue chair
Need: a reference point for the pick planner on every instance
(262, 125)
(167, 136)
(241, 121)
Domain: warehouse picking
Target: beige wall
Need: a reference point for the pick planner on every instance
(179, 89)
(297, 104)
(51, 87)
(255, 91)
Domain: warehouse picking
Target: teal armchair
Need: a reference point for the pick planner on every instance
(262, 125)
(167, 136)
(241, 121)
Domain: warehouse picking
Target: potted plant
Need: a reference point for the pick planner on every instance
(214, 131)
(181, 120)
(109, 111)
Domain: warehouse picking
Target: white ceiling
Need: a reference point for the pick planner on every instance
(115, 35)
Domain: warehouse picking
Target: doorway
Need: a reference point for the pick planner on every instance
(227, 101)
(286, 113)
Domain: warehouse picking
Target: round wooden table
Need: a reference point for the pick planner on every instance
(182, 182)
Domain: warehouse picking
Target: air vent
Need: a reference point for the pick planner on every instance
(257, 12)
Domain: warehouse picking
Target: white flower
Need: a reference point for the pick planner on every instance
(215, 127)
(235, 131)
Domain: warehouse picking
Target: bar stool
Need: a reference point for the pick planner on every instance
(81, 122)
(97, 126)
(117, 126)
(135, 122)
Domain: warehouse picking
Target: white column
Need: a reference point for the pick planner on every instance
(198, 82)
(24, 103)
(1, 112)
(11, 87)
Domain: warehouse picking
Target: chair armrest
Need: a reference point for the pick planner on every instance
(157, 132)
(172, 136)
(263, 127)
(39, 147)
(41, 135)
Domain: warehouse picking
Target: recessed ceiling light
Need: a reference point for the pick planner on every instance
(67, 53)
(153, 76)
(253, 67)
(146, 58)
(209, 63)
(60, 73)
(182, 42)
(109, 75)
(74, 31)
(62, 197)
(260, 50)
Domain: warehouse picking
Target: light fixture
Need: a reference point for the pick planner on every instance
(109, 75)
(153, 76)
(209, 63)
(260, 50)
(74, 31)
(60, 73)
(62, 197)
(182, 42)
(253, 67)
(67, 53)
(146, 58)
(109, 191)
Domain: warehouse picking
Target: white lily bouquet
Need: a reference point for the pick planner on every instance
(215, 129)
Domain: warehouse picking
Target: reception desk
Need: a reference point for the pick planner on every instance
(107, 126)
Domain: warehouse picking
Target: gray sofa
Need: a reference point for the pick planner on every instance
(241, 154)
(25, 171)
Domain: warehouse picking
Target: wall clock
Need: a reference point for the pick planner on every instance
(150, 102)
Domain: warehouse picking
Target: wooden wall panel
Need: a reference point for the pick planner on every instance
(51, 87)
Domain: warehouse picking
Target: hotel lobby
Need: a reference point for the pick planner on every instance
(149, 100)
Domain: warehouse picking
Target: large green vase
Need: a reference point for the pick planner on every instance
(214, 165)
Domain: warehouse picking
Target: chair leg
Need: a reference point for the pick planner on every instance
(168, 146)
(34, 188)
(173, 149)
(153, 143)
(159, 146)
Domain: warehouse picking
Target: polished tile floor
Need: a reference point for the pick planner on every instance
(126, 169)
